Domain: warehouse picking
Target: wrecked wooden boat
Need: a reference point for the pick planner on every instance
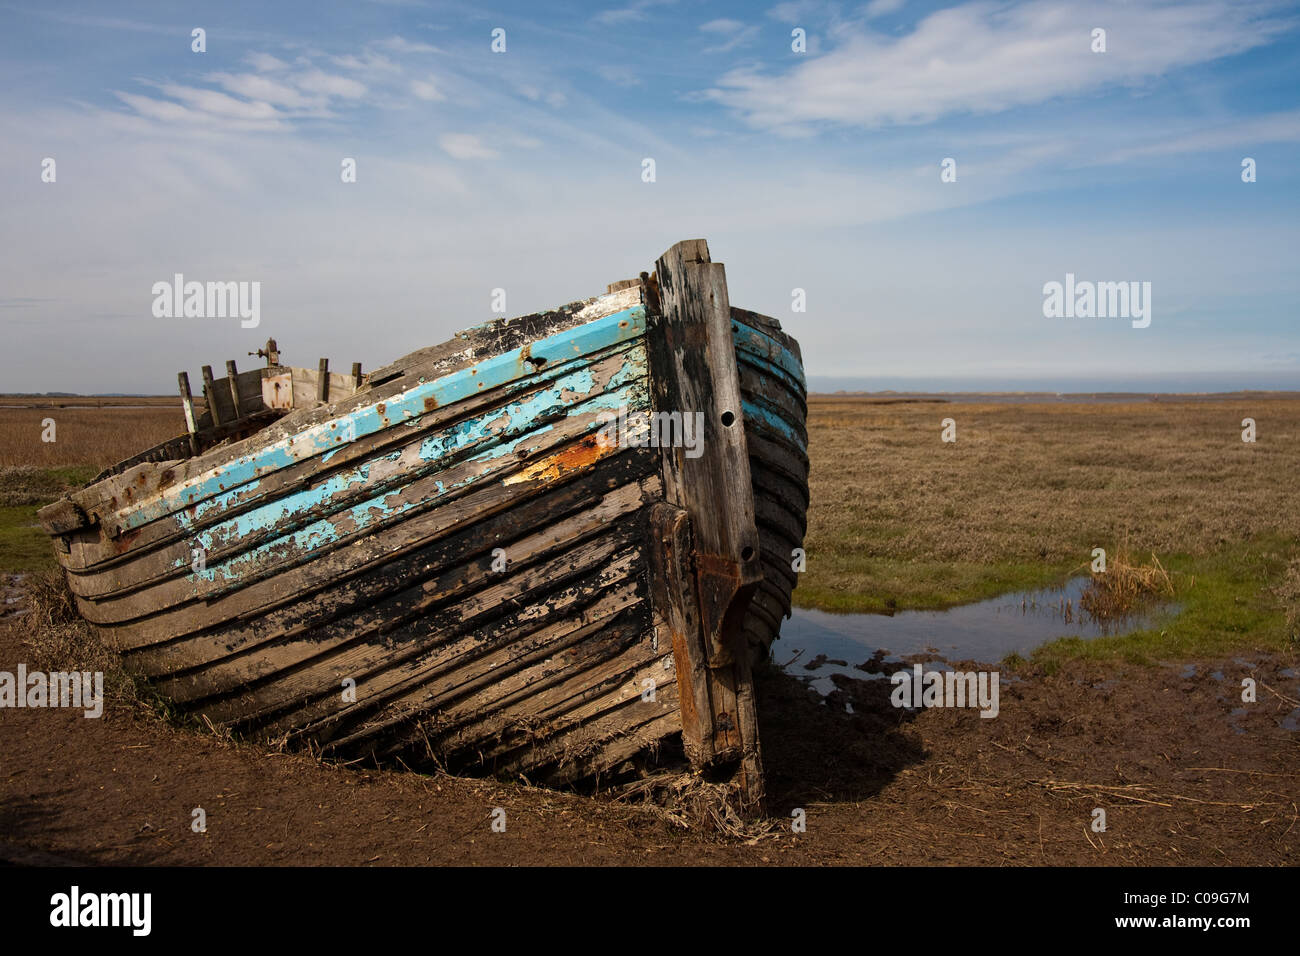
(511, 553)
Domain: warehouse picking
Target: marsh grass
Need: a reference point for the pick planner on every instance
(1126, 586)
(1225, 605)
(59, 640)
(1028, 490)
(91, 437)
(1288, 592)
(24, 489)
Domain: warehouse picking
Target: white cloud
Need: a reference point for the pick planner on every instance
(618, 75)
(736, 32)
(987, 57)
(1241, 135)
(426, 90)
(255, 87)
(317, 81)
(367, 62)
(400, 44)
(795, 11)
(265, 63)
(878, 8)
(465, 146)
(219, 104)
(633, 12)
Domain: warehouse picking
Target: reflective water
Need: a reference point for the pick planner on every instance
(986, 631)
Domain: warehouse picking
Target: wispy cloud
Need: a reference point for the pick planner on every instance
(618, 75)
(265, 63)
(730, 33)
(465, 146)
(399, 44)
(988, 57)
(426, 90)
(633, 12)
(879, 8)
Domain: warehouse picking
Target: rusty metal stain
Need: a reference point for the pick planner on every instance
(581, 454)
(277, 390)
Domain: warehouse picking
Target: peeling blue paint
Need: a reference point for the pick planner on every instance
(767, 353)
(233, 478)
(295, 547)
(765, 417)
(433, 452)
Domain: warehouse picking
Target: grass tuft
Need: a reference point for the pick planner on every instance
(1125, 586)
(59, 640)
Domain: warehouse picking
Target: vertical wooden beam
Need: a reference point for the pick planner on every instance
(693, 363)
(210, 395)
(187, 402)
(323, 381)
(356, 376)
(232, 376)
(693, 369)
(673, 595)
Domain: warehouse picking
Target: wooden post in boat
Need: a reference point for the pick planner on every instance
(187, 402)
(323, 381)
(356, 376)
(713, 563)
(232, 375)
(210, 395)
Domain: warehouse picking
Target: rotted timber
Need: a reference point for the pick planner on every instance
(442, 561)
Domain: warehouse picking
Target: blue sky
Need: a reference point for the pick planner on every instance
(522, 170)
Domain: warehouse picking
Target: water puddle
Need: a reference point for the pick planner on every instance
(11, 595)
(816, 644)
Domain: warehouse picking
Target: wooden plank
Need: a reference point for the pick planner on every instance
(694, 369)
(314, 431)
(232, 377)
(423, 470)
(187, 402)
(673, 596)
(467, 708)
(210, 395)
(95, 554)
(443, 603)
(323, 381)
(356, 600)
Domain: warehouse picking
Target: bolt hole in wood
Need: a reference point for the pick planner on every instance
(746, 553)
(728, 418)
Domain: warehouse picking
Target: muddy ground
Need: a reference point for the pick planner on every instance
(1183, 780)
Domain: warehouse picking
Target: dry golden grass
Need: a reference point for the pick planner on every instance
(84, 436)
(59, 640)
(1288, 592)
(86, 401)
(1028, 490)
(1124, 585)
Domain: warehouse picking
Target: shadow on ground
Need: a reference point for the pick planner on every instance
(815, 750)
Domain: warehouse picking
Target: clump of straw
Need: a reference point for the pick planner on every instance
(1125, 584)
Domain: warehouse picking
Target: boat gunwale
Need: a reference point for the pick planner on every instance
(301, 422)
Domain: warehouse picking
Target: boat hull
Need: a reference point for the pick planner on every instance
(454, 565)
